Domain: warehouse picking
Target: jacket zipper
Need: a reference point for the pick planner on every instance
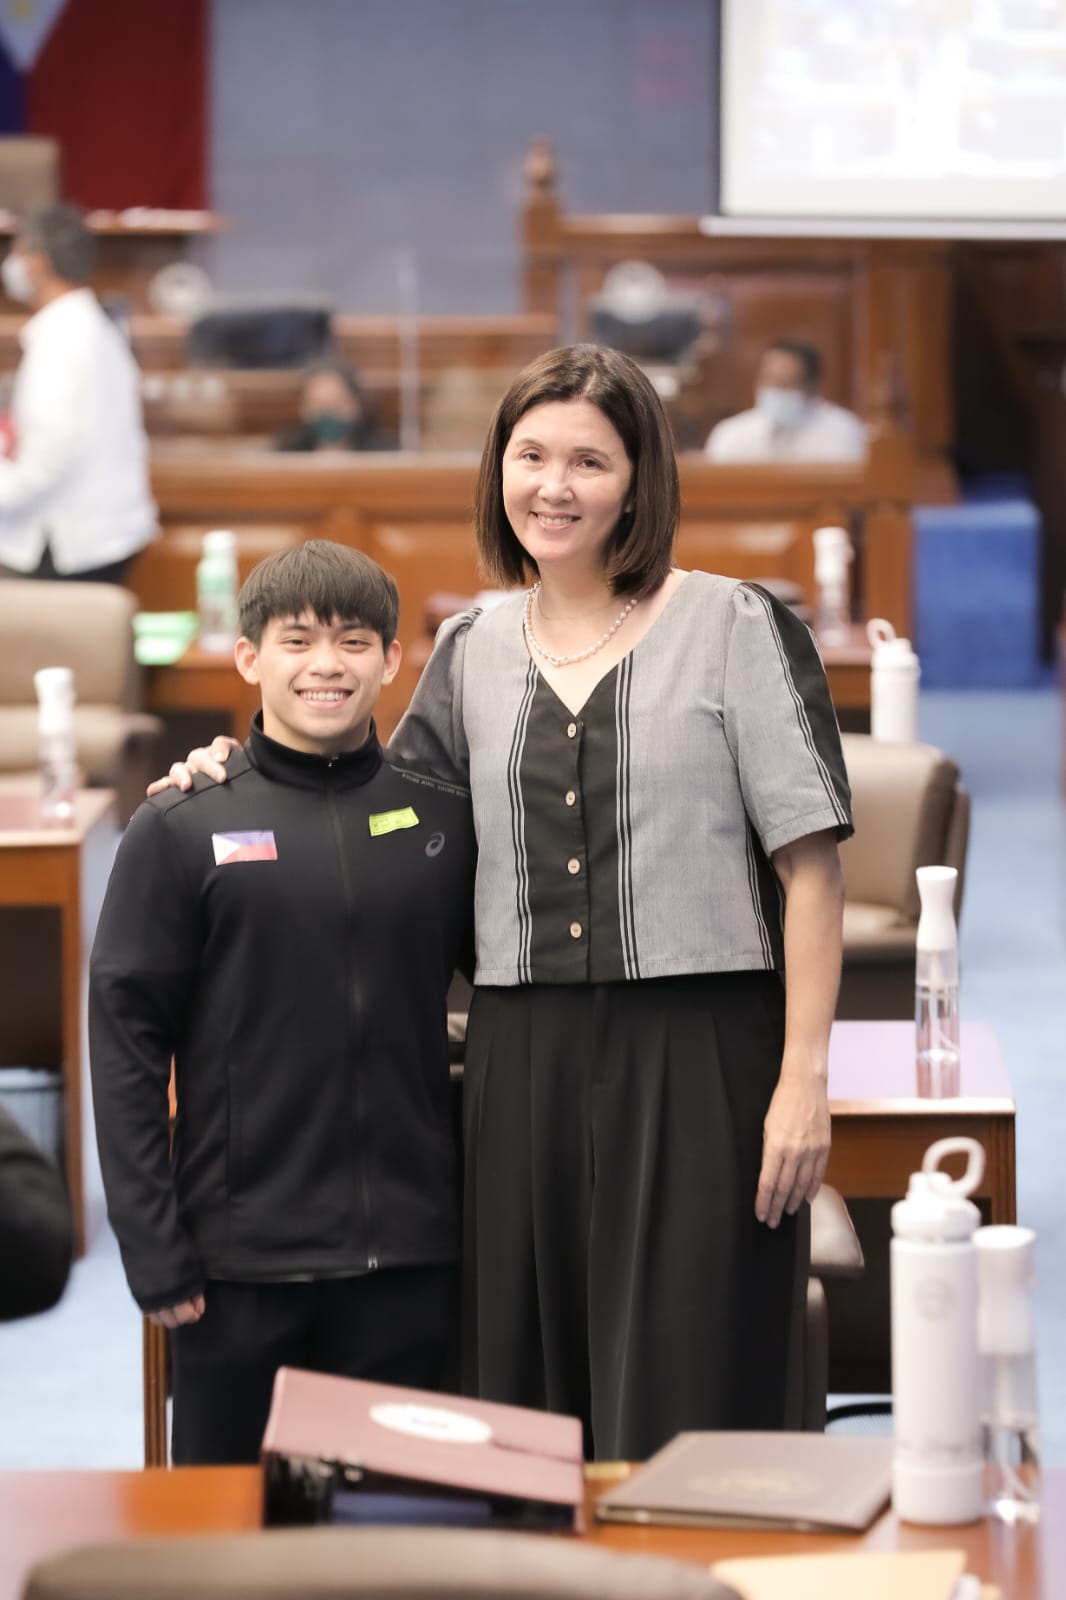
(354, 1016)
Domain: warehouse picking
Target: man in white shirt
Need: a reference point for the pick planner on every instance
(74, 493)
(789, 421)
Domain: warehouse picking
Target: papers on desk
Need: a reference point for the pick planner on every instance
(758, 1480)
(918, 1574)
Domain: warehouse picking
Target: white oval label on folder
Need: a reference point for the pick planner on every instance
(431, 1422)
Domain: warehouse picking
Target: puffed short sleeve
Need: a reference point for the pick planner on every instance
(780, 724)
(431, 732)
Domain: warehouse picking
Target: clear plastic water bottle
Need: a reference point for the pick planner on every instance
(936, 987)
(938, 1463)
(832, 555)
(216, 591)
(57, 751)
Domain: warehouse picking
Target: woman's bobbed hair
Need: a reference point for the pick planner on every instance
(640, 552)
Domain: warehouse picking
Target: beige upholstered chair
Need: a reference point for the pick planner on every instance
(88, 627)
(392, 1563)
(910, 811)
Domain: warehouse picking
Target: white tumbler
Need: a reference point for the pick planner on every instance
(894, 675)
(938, 1464)
(832, 556)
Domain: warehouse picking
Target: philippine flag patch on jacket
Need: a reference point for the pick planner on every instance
(243, 847)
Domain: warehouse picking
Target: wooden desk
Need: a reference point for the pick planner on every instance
(46, 1512)
(882, 1128)
(65, 869)
(847, 666)
(132, 246)
(203, 680)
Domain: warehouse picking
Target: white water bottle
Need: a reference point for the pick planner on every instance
(1006, 1342)
(936, 984)
(56, 748)
(832, 554)
(216, 591)
(894, 675)
(938, 1466)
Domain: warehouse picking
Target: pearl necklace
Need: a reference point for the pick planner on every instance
(582, 655)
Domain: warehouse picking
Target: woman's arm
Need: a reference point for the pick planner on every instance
(796, 1130)
(210, 759)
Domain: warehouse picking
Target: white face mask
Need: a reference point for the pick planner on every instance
(782, 408)
(16, 277)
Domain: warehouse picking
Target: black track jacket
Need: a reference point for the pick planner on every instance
(288, 937)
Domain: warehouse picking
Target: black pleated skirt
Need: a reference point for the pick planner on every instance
(614, 1268)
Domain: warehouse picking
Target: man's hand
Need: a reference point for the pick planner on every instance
(210, 761)
(177, 1316)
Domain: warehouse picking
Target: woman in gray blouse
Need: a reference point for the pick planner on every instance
(658, 791)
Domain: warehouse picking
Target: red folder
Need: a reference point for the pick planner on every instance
(340, 1450)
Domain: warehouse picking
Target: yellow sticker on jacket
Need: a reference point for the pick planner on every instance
(389, 821)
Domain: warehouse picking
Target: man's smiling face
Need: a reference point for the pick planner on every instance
(319, 681)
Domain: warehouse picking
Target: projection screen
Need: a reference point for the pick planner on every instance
(933, 110)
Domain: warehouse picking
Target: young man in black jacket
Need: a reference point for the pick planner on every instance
(288, 938)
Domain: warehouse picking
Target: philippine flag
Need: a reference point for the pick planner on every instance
(229, 847)
(121, 86)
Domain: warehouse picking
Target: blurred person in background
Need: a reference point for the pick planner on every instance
(334, 414)
(75, 500)
(789, 421)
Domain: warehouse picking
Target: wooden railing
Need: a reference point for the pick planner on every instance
(878, 310)
(413, 514)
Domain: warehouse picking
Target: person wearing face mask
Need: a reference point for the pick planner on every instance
(334, 414)
(74, 492)
(790, 420)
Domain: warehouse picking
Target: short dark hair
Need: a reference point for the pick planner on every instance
(332, 581)
(808, 356)
(60, 233)
(640, 551)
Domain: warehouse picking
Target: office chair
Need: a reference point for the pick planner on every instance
(911, 810)
(237, 334)
(88, 627)
(389, 1563)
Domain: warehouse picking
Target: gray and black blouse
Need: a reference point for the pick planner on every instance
(633, 840)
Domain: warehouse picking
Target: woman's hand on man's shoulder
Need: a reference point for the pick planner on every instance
(209, 759)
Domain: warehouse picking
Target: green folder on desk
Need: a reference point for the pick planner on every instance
(162, 637)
